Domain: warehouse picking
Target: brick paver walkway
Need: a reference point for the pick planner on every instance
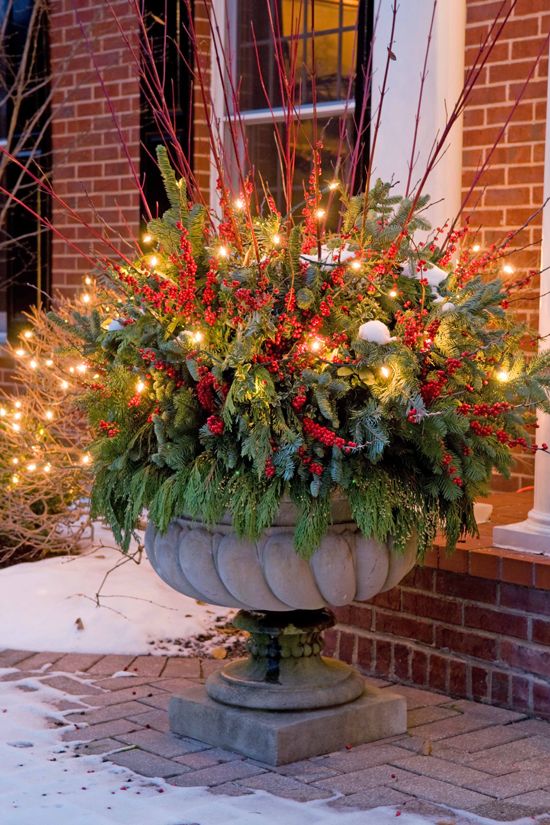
(456, 754)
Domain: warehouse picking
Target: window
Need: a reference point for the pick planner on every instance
(166, 27)
(330, 34)
(24, 130)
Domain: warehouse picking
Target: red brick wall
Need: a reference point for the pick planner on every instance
(90, 168)
(201, 137)
(468, 636)
(512, 187)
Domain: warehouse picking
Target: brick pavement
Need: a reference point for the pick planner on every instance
(457, 754)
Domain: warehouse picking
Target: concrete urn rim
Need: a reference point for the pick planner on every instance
(214, 565)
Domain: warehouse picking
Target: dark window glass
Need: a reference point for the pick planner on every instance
(24, 129)
(167, 31)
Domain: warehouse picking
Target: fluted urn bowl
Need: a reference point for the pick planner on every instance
(283, 600)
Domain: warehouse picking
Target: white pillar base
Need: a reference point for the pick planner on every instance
(529, 536)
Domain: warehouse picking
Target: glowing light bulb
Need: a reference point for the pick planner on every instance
(81, 368)
(27, 334)
(16, 427)
(140, 386)
(392, 293)
(33, 364)
(508, 269)
(71, 370)
(88, 280)
(276, 239)
(334, 184)
(64, 385)
(198, 336)
(31, 467)
(15, 479)
(153, 260)
(147, 238)
(222, 252)
(356, 265)
(47, 468)
(316, 345)
(239, 203)
(85, 298)
(15, 461)
(20, 352)
(49, 415)
(49, 362)
(385, 372)
(320, 214)
(86, 458)
(502, 376)
(3, 412)
(18, 405)
(17, 416)
(476, 247)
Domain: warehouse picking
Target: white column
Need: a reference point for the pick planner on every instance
(443, 84)
(533, 535)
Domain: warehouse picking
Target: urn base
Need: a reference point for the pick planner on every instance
(277, 738)
(285, 670)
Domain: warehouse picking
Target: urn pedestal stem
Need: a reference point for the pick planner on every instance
(285, 669)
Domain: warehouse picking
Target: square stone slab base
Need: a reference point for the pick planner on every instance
(279, 737)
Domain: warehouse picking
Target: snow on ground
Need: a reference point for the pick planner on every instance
(51, 605)
(42, 781)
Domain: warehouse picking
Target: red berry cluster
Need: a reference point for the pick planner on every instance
(207, 386)
(299, 399)
(412, 416)
(215, 425)
(452, 470)
(484, 410)
(313, 466)
(110, 427)
(326, 436)
(135, 401)
(269, 470)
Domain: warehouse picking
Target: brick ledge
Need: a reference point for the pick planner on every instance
(478, 557)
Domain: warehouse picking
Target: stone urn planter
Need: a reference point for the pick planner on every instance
(283, 603)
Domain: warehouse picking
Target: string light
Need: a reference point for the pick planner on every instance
(3, 412)
(476, 247)
(16, 427)
(18, 405)
(222, 252)
(316, 345)
(33, 364)
(49, 415)
(86, 458)
(88, 280)
(27, 334)
(85, 298)
(64, 385)
(47, 468)
(20, 352)
(81, 368)
(49, 362)
(334, 184)
(15, 479)
(15, 461)
(320, 214)
(392, 293)
(385, 372)
(140, 386)
(508, 269)
(276, 239)
(31, 467)
(198, 336)
(239, 203)
(356, 265)
(153, 260)
(71, 370)
(502, 376)
(147, 238)
(17, 416)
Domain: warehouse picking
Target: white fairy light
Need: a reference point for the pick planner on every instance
(88, 280)
(356, 265)
(276, 239)
(86, 458)
(198, 336)
(47, 468)
(316, 345)
(20, 352)
(16, 427)
(385, 372)
(15, 461)
(15, 479)
(502, 376)
(33, 364)
(18, 405)
(508, 269)
(334, 184)
(222, 252)
(392, 293)
(239, 204)
(49, 362)
(320, 214)
(27, 334)
(81, 368)
(153, 260)
(31, 467)
(140, 386)
(18, 415)
(49, 415)
(147, 238)
(476, 247)
(64, 385)
(85, 298)
(3, 412)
